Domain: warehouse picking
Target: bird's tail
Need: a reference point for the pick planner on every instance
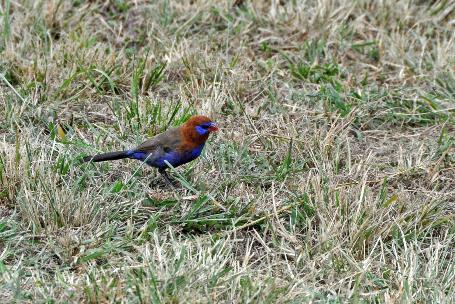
(106, 156)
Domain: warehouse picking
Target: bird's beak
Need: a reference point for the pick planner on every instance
(213, 127)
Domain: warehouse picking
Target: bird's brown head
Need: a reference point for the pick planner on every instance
(197, 129)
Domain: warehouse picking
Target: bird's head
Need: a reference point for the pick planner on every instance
(198, 128)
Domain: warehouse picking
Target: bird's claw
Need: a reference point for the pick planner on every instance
(168, 180)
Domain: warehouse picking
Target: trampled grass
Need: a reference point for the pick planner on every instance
(332, 178)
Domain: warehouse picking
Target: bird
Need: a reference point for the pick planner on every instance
(177, 146)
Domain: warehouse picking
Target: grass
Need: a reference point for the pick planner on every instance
(332, 178)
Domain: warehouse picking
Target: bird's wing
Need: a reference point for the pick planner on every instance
(166, 141)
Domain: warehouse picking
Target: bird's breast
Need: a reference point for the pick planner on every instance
(178, 157)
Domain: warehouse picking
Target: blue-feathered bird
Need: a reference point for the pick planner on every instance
(178, 146)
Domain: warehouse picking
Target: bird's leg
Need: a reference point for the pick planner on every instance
(166, 177)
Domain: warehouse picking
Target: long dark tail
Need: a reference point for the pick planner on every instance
(106, 156)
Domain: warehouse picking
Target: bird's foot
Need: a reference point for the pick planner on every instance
(170, 182)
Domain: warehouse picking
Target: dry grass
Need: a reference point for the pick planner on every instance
(332, 180)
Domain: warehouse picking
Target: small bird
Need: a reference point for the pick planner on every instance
(178, 146)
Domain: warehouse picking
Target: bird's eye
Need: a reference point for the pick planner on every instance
(205, 127)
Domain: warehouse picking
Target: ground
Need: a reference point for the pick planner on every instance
(332, 178)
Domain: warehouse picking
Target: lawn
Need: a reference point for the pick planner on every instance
(332, 179)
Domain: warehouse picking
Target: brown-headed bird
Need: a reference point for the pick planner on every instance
(178, 146)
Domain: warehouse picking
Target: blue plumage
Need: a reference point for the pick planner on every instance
(158, 158)
(177, 158)
(204, 128)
